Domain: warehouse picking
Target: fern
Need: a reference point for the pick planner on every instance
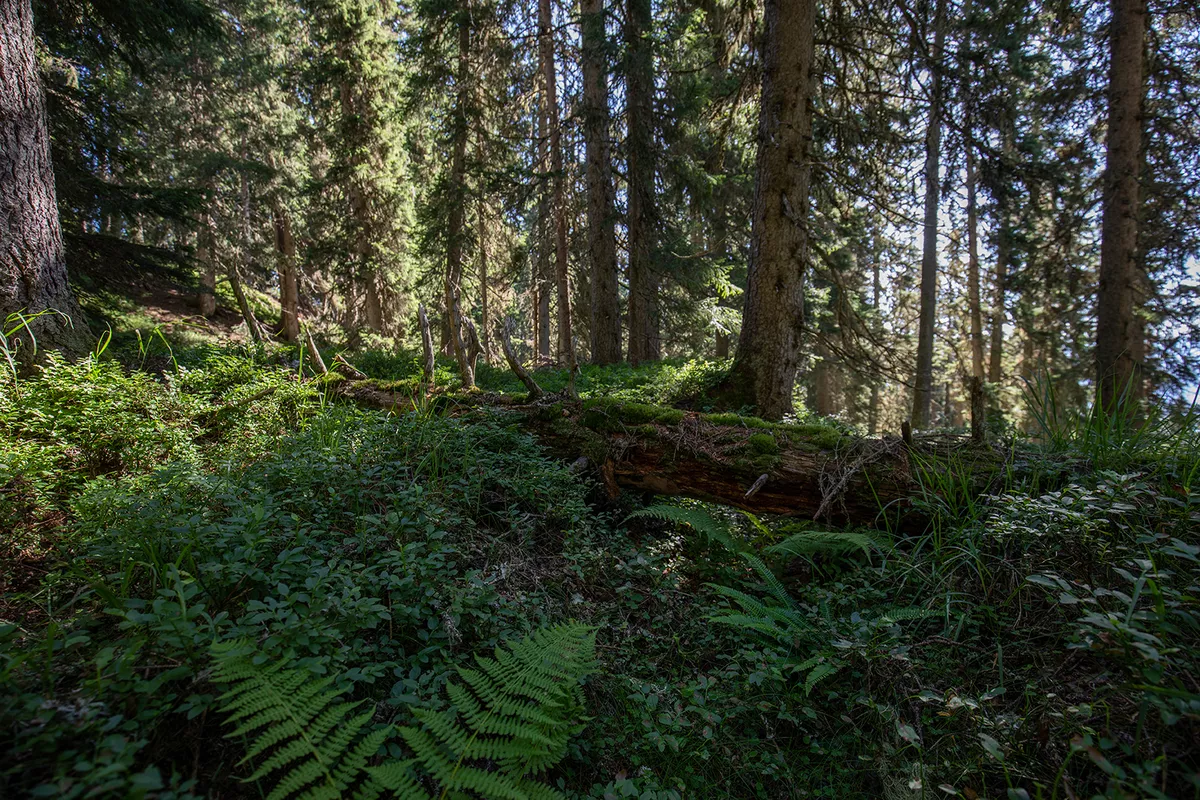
(712, 529)
(807, 543)
(318, 744)
(510, 719)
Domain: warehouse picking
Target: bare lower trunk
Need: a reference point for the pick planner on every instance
(764, 370)
(485, 316)
(33, 268)
(602, 244)
(1118, 368)
(456, 213)
(543, 279)
(1003, 191)
(642, 317)
(975, 310)
(923, 384)
(721, 346)
(289, 293)
(566, 347)
(206, 260)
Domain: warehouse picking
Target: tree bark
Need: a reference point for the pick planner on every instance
(923, 385)
(642, 316)
(456, 213)
(206, 260)
(1004, 237)
(1118, 371)
(764, 370)
(602, 244)
(542, 279)
(485, 316)
(289, 290)
(33, 267)
(566, 346)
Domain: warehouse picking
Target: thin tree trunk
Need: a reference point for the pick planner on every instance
(33, 267)
(566, 347)
(1004, 235)
(974, 302)
(456, 213)
(876, 293)
(206, 259)
(542, 267)
(289, 291)
(1118, 370)
(923, 386)
(483, 284)
(975, 309)
(234, 271)
(768, 354)
(643, 283)
(602, 244)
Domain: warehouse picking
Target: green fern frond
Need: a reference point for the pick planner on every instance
(807, 543)
(317, 744)
(511, 718)
(777, 589)
(705, 524)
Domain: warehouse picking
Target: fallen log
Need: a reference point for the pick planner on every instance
(818, 471)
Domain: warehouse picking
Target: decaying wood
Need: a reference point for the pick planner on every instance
(514, 363)
(346, 368)
(816, 476)
(313, 353)
(426, 346)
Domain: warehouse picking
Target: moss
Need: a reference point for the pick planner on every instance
(739, 421)
(603, 414)
(762, 444)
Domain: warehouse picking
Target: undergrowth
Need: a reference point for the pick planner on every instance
(179, 510)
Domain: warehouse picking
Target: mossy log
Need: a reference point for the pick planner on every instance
(816, 471)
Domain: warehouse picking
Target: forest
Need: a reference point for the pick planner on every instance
(659, 399)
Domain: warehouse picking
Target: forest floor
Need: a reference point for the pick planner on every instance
(183, 495)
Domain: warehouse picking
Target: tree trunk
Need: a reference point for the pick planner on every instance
(764, 370)
(975, 309)
(642, 317)
(456, 213)
(485, 316)
(877, 322)
(1118, 372)
(289, 290)
(566, 347)
(923, 385)
(33, 268)
(542, 268)
(602, 244)
(206, 259)
(1004, 237)
(235, 281)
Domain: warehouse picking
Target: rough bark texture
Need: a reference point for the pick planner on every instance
(514, 363)
(428, 362)
(975, 309)
(206, 260)
(764, 370)
(33, 268)
(289, 291)
(544, 281)
(456, 213)
(1004, 237)
(642, 316)
(923, 385)
(1117, 332)
(485, 315)
(602, 243)
(566, 346)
